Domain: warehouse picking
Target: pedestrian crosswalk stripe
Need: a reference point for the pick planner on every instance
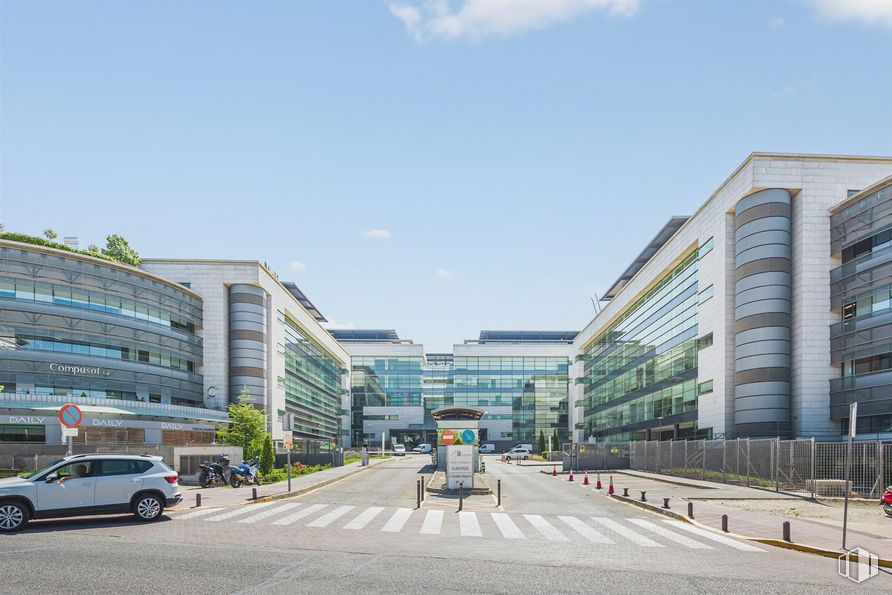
(433, 522)
(197, 513)
(396, 522)
(626, 532)
(468, 524)
(744, 547)
(296, 516)
(239, 511)
(508, 528)
(328, 517)
(671, 535)
(364, 518)
(545, 528)
(269, 512)
(585, 530)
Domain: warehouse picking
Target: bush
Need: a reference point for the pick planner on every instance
(297, 469)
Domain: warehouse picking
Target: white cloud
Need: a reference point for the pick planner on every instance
(476, 19)
(776, 23)
(339, 326)
(376, 234)
(297, 266)
(447, 275)
(869, 12)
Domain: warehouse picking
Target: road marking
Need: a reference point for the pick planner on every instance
(545, 528)
(585, 530)
(269, 512)
(365, 518)
(468, 524)
(396, 522)
(433, 522)
(626, 532)
(663, 532)
(328, 517)
(744, 547)
(287, 520)
(238, 511)
(508, 528)
(196, 514)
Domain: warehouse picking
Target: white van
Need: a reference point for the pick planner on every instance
(486, 449)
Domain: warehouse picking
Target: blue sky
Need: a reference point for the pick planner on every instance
(511, 159)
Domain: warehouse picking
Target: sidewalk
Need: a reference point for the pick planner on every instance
(226, 496)
(760, 514)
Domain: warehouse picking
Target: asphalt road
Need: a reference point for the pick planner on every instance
(364, 534)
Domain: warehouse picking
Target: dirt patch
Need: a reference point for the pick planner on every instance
(866, 517)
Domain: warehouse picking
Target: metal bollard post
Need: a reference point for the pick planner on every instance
(461, 495)
(690, 510)
(418, 494)
(725, 523)
(643, 496)
(197, 499)
(625, 492)
(666, 503)
(499, 493)
(253, 493)
(423, 484)
(787, 531)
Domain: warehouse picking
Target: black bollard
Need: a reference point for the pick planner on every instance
(690, 510)
(666, 503)
(643, 496)
(461, 495)
(787, 531)
(499, 493)
(625, 492)
(197, 500)
(423, 490)
(253, 493)
(725, 523)
(418, 494)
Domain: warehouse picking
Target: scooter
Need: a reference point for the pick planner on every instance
(886, 502)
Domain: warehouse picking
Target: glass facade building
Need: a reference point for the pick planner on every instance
(640, 373)
(383, 381)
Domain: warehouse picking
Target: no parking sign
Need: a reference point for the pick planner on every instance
(70, 415)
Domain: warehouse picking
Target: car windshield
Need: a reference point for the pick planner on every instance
(42, 469)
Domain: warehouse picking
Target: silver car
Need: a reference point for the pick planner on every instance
(90, 484)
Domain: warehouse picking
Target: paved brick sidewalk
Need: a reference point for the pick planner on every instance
(226, 496)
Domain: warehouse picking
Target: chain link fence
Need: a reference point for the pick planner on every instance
(802, 466)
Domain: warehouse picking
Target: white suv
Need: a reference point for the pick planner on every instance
(90, 484)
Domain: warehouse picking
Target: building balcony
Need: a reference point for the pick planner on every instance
(101, 405)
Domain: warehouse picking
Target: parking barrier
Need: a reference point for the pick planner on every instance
(461, 495)
(666, 503)
(585, 481)
(197, 500)
(787, 531)
(690, 510)
(554, 471)
(725, 523)
(643, 496)
(625, 492)
(571, 475)
(253, 493)
(598, 485)
(610, 487)
(499, 493)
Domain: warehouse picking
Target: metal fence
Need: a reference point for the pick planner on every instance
(801, 466)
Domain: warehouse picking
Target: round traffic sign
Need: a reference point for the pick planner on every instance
(448, 437)
(70, 415)
(467, 437)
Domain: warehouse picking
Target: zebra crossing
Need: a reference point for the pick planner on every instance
(598, 530)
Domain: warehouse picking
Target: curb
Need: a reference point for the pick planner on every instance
(779, 543)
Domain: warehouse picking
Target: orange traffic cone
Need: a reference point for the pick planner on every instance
(598, 485)
(571, 475)
(610, 489)
(553, 471)
(585, 481)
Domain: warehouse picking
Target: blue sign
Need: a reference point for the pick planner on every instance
(468, 437)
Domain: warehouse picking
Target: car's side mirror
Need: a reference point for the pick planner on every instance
(51, 478)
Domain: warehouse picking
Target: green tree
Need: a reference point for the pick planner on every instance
(117, 248)
(94, 249)
(541, 440)
(555, 441)
(267, 454)
(50, 234)
(247, 427)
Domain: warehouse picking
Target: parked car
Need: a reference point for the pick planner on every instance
(399, 450)
(90, 484)
(422, 449)
(486, 449)
(528, 447)
(519, 454)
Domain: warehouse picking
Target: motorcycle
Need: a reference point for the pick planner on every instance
(886, 502)
(249, 472)
(211, 474)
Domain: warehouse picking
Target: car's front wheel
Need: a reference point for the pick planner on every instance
(507, 459)
(148, 507)
(13, 516)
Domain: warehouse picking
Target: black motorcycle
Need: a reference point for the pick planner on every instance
(211, 474)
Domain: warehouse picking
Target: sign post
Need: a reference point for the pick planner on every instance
(70, 416)
(853, 419)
